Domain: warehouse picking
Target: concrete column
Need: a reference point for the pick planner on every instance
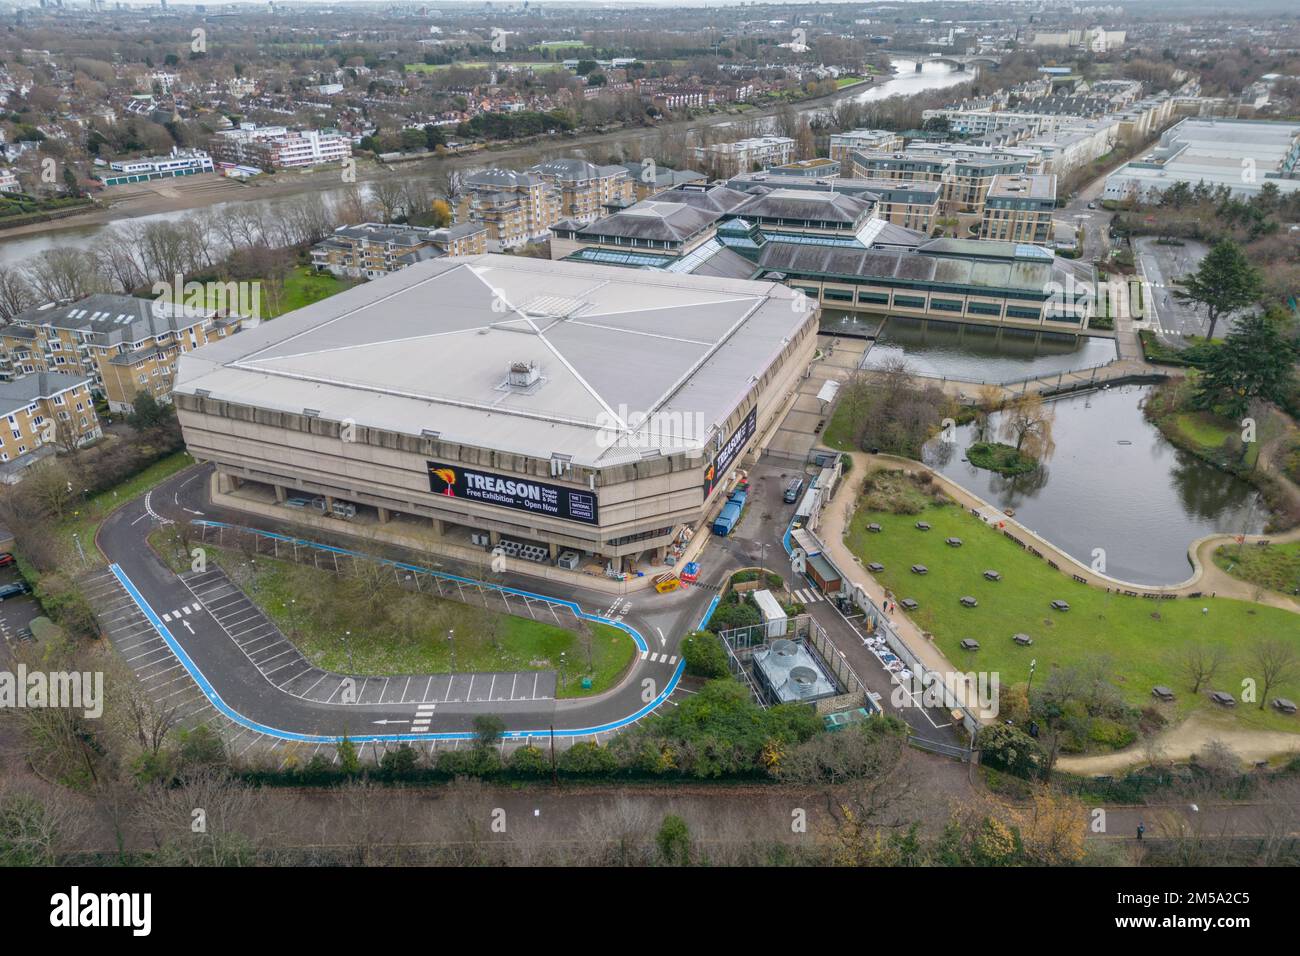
(439, 527)
(658, 554)
(555, 551)
(494, 538)
(384, 515)
(280, 494)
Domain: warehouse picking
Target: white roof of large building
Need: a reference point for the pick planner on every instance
(627, 360)
(1239, 154)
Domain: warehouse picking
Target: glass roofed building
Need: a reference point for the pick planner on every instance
(836, 248)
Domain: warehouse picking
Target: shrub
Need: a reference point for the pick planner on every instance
(587, 758)
(398, 762)
(704, 655)
(529, 760)
(476, 762)
(733, 613)
(1006, 747)
(1110, 733)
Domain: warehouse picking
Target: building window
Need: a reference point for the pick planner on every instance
(945, 305)
(909, 302)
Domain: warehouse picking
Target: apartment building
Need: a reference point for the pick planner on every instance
(277, 147)
(867, 140)
(515, 208)
(371, 249)
(42, 413)
(669, 226)
(9, 181)
(908, 203)
(758, 152)
(121, 343)
(587, 191)
(1019, 208)
(964, 172)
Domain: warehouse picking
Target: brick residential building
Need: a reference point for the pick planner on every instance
(123, 344)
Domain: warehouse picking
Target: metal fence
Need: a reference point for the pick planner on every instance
(742, 642)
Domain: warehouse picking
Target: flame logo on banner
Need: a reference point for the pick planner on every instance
(448, 478)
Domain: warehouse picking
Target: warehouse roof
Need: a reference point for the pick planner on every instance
(617, 354)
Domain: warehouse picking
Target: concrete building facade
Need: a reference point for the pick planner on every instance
(527, 408)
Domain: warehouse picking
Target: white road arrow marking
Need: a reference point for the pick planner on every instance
(386, 722)
(187, 626)
(663, 642)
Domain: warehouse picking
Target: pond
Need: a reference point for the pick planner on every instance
(975, 353)
(1113, 483)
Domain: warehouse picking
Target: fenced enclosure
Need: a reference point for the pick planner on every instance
(743, 642)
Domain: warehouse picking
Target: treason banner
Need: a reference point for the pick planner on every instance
(522, 494)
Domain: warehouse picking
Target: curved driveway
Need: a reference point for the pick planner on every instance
(184, 624)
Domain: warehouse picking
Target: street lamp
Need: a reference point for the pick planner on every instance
(451, 643)
(347, 646)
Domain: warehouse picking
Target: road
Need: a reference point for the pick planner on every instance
(1095, 222)
(1159, 265)
(191, 641)
(757, 542)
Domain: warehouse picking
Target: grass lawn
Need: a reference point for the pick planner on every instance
(303, 286)
(83, 521)
(1140, 637)
(406, 632)
(838, 433)
(1276, 566)
(1208, 432)
(1204, 429)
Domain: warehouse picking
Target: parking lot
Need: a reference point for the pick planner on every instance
(17, 613)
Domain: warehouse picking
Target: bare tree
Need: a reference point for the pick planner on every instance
(15, 293)
(387, 191)
(1199, 663)
(208, 819)
(63, 273)
(1027, 421)
(1276, 662)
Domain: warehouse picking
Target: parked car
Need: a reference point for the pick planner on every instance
(792, 491)
(6, 559)
(17, 589)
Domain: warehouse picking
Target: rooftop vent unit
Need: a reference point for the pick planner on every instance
(802, 681)
(524, 374)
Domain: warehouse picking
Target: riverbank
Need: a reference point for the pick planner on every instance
(1219, 443)
(173, 196)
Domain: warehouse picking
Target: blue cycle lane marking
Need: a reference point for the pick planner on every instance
(214, 697)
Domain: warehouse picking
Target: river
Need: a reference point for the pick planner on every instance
(1113, 483)
(907, 81)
